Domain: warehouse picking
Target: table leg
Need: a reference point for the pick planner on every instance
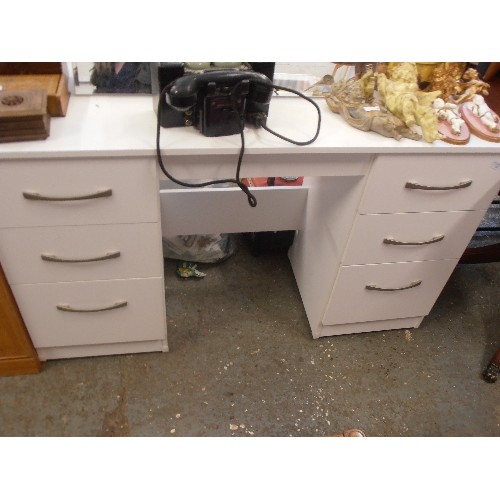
(493, 368)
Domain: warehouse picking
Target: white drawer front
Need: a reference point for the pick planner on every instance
(112, 187)
(352, 302)
(142, 318)
(411, 237)
(387, 190)
(81, 253)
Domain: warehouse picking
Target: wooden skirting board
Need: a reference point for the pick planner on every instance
(17, 354)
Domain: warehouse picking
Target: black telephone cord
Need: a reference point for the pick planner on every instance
(251, 198)
(297, 143)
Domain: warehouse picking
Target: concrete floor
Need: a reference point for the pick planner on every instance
(242, 362)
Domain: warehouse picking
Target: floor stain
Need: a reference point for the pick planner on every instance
(115, 422)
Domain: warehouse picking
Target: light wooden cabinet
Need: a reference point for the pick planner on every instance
(17, 354)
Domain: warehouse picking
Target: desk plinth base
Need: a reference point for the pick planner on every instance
(102, 349)
(369, 326)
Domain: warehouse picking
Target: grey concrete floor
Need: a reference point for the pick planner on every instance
(242, 362)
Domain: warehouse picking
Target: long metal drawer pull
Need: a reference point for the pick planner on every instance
(55, 258)
(413, 284)
(116, 305)
(98, 194)
(416, 185)
(392, 241)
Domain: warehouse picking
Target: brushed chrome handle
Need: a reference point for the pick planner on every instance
(116, 305)
(416, 185)
(392, 241)
(104, 193)
(55, 258)
(413, 284)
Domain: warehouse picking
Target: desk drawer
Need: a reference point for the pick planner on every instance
(427, 183)
(76, 192)
(137, 315)
(81, 253)
(226, 210)
(408, 237)
(416, 287)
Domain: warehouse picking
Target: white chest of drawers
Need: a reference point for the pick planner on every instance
(380, 223)
(80, 240)
(414, 219)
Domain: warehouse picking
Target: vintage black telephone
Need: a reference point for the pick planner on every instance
(219, 103)
(215, 101)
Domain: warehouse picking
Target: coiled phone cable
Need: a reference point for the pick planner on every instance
(261, 118)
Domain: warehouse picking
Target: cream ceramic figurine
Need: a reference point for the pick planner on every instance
(483, 112)
(402, 96)
(451, 125)
(481, 120)
(449, 112)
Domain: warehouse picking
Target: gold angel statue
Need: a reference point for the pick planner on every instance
(402, 96)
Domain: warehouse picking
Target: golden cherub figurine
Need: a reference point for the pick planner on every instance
(469, 86)
(402, 96)
(445, 78)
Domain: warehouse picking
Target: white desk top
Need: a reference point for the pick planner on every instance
(103, 125)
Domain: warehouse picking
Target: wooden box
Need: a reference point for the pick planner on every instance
(23, 115)
(35, 76)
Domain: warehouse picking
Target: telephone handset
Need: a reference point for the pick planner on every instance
(216, 101)
(220, 102)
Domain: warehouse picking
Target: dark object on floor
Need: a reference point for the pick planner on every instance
(476, 255)
(485, 244)
(270, 242)
(493, 369)
(351, 433)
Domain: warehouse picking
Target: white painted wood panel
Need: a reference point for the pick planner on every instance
(38, 255)
(318, 248)
(130, 180)
(46, 353)
(298, 163)
(386, 191)
(114, 125)
(352, 302)
(140, 320)
(375, 238)
(370, 326)
(226, 210)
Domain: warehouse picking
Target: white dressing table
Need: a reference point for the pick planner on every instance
(380, 223)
